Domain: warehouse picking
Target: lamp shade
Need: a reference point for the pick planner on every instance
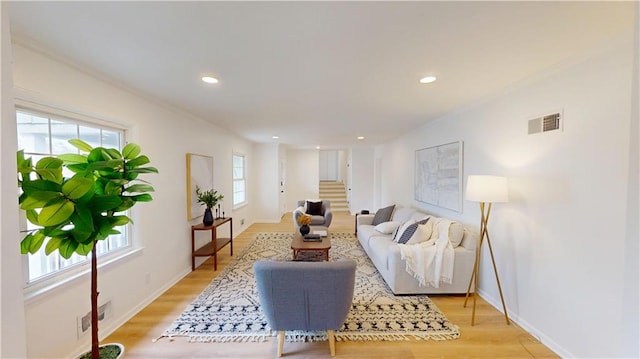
(492, 189)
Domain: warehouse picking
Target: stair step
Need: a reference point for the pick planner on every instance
(336, 193)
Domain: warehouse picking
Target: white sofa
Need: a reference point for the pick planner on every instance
(385, 254)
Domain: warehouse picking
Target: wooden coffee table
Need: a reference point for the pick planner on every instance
(299, 246)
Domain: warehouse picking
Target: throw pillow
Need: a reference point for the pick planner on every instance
(383, 215)
(456, 232)
(423, 234)
(387, 227)
(410, 231)
(314, 208)
(401, 229)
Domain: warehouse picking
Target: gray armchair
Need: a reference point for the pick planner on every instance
(305, 296)
(316, 220)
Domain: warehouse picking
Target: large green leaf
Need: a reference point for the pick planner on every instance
(130, 176)
(131, 151)
(125, 205)
(113, 153)
(40, 185)
(104, 203)
(56, 212)
(52, 245)
(37, 199)
(50, 168)
(24, 164)
(77, 187)
(105, 229)
(82, 219)
(139, 188)
(51, 174)
(32, 216)
(142, 198)
(81, 237)
(67, 247)
(110, 165)
(143, 170)
(55, 231)
(26, 243)
(73, 158)
(117, 221)
(85, 248)
(32, 242)
(113, 188)
(138, 161)
(105, 154)
(50, 163)
(78, 167)
(81, 145)
(96, 155)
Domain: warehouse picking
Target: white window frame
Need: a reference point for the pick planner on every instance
(40, 285)
(242, 179)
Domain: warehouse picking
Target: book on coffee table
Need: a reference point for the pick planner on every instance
(321, 233)
(312, 238)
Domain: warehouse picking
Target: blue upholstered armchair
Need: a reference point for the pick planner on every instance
(306, 296)
(322, 218)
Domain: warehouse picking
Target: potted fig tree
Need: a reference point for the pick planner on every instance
(76, 211)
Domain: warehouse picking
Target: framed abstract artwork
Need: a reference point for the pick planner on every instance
(438, 176)
(199, 174)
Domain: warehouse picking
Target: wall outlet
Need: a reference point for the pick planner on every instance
(242, 222)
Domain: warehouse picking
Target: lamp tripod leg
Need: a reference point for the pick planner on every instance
(495, 271)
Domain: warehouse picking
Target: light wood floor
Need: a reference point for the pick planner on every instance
(489, 338)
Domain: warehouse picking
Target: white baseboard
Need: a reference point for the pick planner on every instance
(112, 325)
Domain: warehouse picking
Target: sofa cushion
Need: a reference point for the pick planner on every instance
(411, 230)
(456, 232)
(402, 214)
(314, 208)
(379, 251)
(387, 227)
(383, 215)
(419, 216)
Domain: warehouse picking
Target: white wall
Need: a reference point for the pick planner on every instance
(12, 320)
(560, 242)
(160, 228)
(362, 181)
(265, 181)
(303, 176)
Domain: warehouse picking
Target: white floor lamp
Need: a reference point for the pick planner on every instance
(485, 190)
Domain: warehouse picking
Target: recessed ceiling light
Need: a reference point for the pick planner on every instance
(360, 137)
(210, 80)
(275, 137)
(427, 79)
(317, 147)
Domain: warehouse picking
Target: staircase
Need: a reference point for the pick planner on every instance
(336, 193)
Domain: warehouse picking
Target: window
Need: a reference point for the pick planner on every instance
(41, 134)
(239, 181)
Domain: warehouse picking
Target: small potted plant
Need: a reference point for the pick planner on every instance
(209, 198)
(75, 212)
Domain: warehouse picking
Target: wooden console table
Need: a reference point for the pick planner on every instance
(211, 249)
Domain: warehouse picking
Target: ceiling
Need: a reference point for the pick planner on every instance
(319, 73)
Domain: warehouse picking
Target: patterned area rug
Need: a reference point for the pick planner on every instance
(228, 309)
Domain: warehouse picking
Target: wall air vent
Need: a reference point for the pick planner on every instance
(546, 123)
(84, 322)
